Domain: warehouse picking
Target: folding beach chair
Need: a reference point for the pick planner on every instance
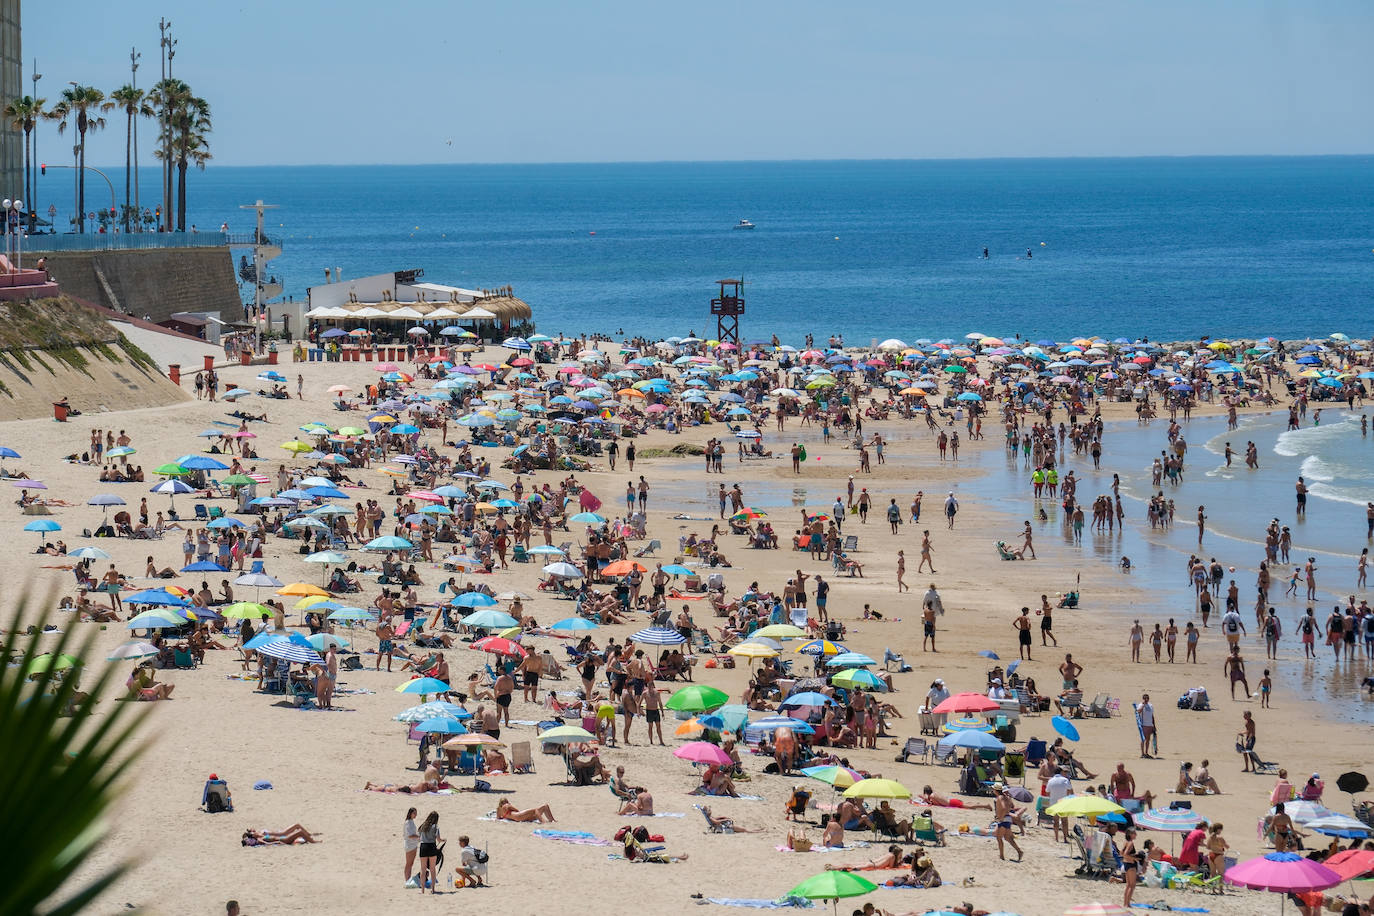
(520, 759)
(915, 747)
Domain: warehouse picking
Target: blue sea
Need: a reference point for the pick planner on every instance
(1167, 248)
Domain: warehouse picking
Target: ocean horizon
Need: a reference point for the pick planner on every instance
(1165, 247)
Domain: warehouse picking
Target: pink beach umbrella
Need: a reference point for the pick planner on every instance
(1283, 873)
(702, 752)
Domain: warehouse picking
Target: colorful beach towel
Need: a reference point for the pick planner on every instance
(576, 837)
(781, 903)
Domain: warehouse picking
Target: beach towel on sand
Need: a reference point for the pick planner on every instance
(782, 903)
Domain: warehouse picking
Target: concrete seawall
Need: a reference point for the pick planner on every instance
(155, 282)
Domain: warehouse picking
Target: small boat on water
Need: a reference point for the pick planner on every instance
(743, 224)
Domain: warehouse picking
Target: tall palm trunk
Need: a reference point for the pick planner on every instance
(128, 161)
(28, 172)
(181, 193)
(81, 179)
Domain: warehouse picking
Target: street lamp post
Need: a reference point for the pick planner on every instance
(33, 139)
(14, 233)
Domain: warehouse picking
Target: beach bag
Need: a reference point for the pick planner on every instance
(798, 841)
(482, 857)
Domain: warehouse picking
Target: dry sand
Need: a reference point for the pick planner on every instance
(191, 862)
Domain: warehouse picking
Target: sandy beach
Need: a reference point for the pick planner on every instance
(317, 762)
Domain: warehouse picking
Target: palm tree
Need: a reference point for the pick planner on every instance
(135, 103)
(75, 757)
(185, 139)
(79, 103)
(167, 97)
(23, 113)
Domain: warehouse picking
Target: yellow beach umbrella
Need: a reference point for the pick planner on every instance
(877, 788)
(780, 631)
(302, 588)
(1084, 806)
(297, 446)
(754, 650)
(310, 601)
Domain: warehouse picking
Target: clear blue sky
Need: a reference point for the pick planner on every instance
(307, 81)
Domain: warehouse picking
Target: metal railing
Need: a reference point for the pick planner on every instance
(119, 241)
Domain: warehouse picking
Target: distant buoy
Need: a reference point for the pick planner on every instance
(593, 232)
(1042, 244)
(837, 238)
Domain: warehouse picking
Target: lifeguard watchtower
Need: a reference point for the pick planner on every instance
(727, 308)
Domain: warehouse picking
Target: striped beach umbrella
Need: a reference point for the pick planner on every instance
(291, 651)
(659, 636)
(1169, 820)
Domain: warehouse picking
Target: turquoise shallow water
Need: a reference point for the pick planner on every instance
(1163, 247)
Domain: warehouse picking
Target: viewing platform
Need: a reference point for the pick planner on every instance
(133, 241)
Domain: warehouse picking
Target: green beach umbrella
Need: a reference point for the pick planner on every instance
(858, 679)
(238, 480)
(352, 431)
(832, 885)
(51, 662)
(697, 698)
(170, 469)
(247, 610)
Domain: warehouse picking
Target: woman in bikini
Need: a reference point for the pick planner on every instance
(505, 811)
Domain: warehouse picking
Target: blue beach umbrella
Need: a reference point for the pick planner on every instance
(441, 726)
(659, 636)
(424, 686)
(973, 740)
(489, 620)
(850, 660)
(809, 698)
(573, 624)
(42, 525)
(473, 599)
(203, 566)
(1065, 727)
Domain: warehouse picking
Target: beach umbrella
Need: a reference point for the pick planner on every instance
(1284, 873)
(42, 525)
(500, 645)
(858, 679)
(659, 636)
(247, 610)
(302, 590)
(172, 488)
(487, 619)
(563, 570)
(877, 788)
(1341, 825)
(1083, 806)
(201, 463)
(49, 662)
(622, 568)
(468, 741)
(966, 702)
(836, 776)
(351, 615)
(1097, 909)
(1351, 863)
(821, 647)
(673, 569)
(697, 698)
(440, 726)
(547, 550)
(204, 566)
(474, 599)
(388, 542)
(157, 597)
(155, 620)
(135, 649)
(225, 521)
(832, 885)
(88, 553)
(780, 631)
(590, 518)
(850, 660)
(1352, 782)
(1302, 811)
(437, 709)
(774, 722)
(7, 452)
(807, 698)
(973, 740)
(1065, 727)
(572, 624)
(753, 650)
(565, 734)
(1169, 820)
(702, 752)
(424, 686)
(289, 650)
(322, 641)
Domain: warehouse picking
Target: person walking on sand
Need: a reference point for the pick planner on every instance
(1005, 815)
(1027, 540)
(1137, 637)
(951, 509)
(901, 572)
(1046, 614)
(926, 551)
(1145, 718)
(1234, 669)
(1022, 625)
(928, 627)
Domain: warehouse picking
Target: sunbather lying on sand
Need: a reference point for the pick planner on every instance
(288, 837)
(505, 811)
